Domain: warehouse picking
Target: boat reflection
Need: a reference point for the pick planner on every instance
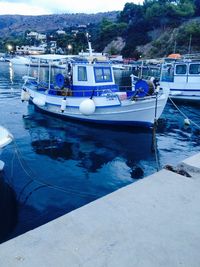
(91, 147)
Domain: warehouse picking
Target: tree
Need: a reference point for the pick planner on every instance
(197, 7)
(184, 9)
(131, 13)
(109, 31)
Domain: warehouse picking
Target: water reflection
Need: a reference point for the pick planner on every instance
(91, 148)
(11, 73)
(8, 209)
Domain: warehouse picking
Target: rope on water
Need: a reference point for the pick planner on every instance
(183, 114)
(42, 184)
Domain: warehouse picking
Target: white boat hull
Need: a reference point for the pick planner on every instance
(109, 110)
(183, 91)
(5, 137)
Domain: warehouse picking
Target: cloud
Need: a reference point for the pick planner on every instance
(39, 7)
(21, 8)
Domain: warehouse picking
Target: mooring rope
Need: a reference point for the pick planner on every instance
(183, 114)
(154, 141)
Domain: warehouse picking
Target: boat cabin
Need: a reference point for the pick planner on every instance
(184, 72)
(93, 79)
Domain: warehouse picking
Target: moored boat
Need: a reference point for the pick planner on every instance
(5, 139)
(89, 93)
(182, 78)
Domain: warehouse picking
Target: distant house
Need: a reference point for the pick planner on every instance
(74, 31)
(32, 35)
(41, 37)
(37, 36)
(53, 47)
(82, 26)
(60, 32)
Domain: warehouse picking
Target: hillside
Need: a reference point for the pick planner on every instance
(18, 24)
(154, 29)
(184, 39)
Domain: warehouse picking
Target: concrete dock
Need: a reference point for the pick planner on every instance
(154, 222)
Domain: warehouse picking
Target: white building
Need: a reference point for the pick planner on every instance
(60, 32)
(37, 36)
(32, 35)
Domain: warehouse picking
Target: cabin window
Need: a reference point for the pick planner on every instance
(102, 74)
(194, 69)
(181, 69)
(167, 73)
(82, 73)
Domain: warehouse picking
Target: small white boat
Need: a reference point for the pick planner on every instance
(20, 60)
(5, 139)
(57, 61)
(182, 78)
(89, 93)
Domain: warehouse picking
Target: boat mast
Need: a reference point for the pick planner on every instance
(89, 45)
(49, 74)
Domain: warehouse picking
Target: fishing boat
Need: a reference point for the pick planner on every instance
(182, 78)
(88, 92)
(5, 139)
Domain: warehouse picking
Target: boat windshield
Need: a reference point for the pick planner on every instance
(103, 74)
(181, 69)
(167, 74)
(194, 68)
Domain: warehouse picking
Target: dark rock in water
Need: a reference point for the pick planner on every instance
(137, 173)
(130, 163)
(178, 171)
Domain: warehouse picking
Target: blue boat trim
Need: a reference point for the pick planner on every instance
(186, 90)
(76, 107)
(183, 96)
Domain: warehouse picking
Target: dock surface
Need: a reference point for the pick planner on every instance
(154, 222)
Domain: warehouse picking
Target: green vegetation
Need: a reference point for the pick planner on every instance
(138, 21)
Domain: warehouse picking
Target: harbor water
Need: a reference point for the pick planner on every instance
(55, 166)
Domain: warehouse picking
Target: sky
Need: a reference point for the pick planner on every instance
(42, 7)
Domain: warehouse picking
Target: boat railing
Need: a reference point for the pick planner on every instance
(124, 93)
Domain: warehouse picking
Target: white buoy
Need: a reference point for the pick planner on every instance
(25, 96)
(87, 107)
(63, 104)
(186, 121)
(39, 101)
